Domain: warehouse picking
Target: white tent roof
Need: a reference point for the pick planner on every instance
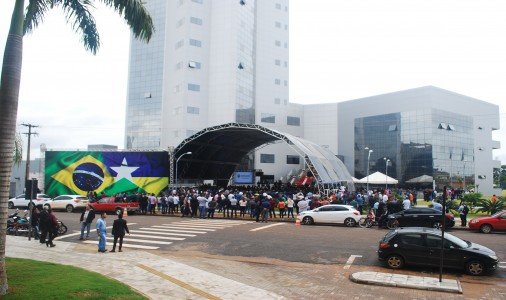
(420, 179)
(378, 178)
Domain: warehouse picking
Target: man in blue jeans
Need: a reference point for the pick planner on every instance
(86, 219)
(102, 232)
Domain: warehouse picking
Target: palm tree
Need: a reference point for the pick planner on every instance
(491, 207)
(77, 13)
(17, 152)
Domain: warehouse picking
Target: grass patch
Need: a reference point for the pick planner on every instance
(30, 279)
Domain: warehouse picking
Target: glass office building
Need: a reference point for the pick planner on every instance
(424, 131)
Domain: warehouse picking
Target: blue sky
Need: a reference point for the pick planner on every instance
(339, 50)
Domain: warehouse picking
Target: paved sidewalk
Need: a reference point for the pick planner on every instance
(155, 276)
(407, 281)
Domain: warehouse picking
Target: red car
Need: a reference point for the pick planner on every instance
(108, 205)
(487, 224)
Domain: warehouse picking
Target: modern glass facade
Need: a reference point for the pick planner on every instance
(426, 141)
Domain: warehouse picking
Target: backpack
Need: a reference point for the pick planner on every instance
(466, 209)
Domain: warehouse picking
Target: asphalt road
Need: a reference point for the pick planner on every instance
(321, 244)
(282, 241)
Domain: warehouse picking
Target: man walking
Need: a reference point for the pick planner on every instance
(118, 231)
(86, 218)
(102, 232)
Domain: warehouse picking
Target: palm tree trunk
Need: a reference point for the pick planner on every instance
(9, 94)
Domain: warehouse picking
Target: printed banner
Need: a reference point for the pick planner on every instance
(78, 172)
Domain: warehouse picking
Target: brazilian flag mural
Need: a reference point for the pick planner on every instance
(78, 172)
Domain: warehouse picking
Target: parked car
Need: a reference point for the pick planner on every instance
(422, 246)
(21, 202)
(419, 217)
(487, 224)
(109, 205)
(69, 203)
(331, 213)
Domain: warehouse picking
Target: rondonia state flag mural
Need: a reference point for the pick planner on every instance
(78, 172)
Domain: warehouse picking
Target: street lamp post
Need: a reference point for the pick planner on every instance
(387, 160)
(369, 151)
(177, 161)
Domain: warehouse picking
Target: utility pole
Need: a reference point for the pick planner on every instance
(29, 134)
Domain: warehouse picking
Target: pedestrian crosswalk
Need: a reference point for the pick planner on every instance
(155, 236)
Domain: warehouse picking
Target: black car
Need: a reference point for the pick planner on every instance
(422, 246)
(419, 217)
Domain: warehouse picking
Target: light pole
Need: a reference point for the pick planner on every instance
(387, 160)
(369, 151)
(176, 165)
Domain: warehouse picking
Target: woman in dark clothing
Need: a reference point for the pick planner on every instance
(52, 226)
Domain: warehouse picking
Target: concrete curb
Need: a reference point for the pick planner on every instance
(407, 281)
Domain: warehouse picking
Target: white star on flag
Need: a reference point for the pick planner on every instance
(124, 171)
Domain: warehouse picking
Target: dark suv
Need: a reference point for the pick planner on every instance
(422, 246)
(419, 217)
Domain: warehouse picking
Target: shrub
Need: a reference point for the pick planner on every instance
(490, 207)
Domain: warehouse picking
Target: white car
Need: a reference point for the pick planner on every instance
(332, 213)
(21, 202)
(69, 203)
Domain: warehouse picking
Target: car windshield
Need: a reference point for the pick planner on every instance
(496, 214)
(456, 240)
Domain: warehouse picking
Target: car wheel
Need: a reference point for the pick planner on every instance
(11, 205)
(392, 224)
(437, 225)
(307, 221)
(118, 211)
(395, 261)
(69, 208)
(475, 267)
(349, 222)
(486, 228)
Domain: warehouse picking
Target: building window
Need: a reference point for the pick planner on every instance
(180, 23)
(195, 43)
(179, 44)
(278, 24)
(277, 62)
(193, 87)
(392, 127)
(194, 64)
(277, 43)
(292, 159)
(196, 21)
(294, 121)
(268, 118)
(277, 81)
(192, 110)
(278, 6)
(277, 101)
(285, 82)
(267, 158)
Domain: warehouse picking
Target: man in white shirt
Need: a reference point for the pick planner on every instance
(406, 203)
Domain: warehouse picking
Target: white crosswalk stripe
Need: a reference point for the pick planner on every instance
(502, 264)
(151, 238)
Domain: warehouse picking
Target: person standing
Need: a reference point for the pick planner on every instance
(118, 231)
(289, 206)
(265, 210)
(52, 228)
(86, 219)
(35, 223)
(44, 224)
(463, 211)
(102, 232)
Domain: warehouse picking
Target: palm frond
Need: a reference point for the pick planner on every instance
(18, 149)
(78, 15)
(35, 12)
(136, 16)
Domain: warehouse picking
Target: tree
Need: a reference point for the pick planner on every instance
(78, 14)
(491, 207)
(17, 152)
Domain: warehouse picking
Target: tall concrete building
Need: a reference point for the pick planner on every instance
(210, 63)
